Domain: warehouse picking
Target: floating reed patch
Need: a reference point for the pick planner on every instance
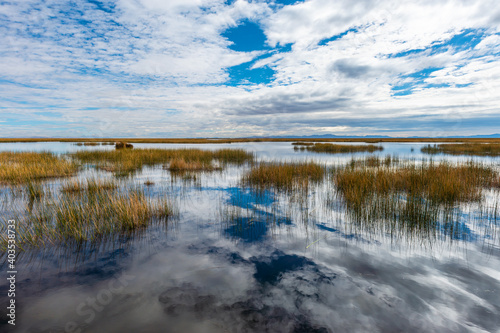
(337, 149)
(125, 161)
(285, 175)
(25, 167)
(477, 149)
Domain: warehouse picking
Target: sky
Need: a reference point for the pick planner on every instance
(238, 68)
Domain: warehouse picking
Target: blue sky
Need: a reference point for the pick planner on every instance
(214, 68)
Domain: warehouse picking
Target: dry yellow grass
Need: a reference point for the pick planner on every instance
(24, 167)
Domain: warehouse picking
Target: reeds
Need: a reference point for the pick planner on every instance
(336, 148)
(88, 185)
(87, 210)
(284, 175)
(374, 161)
(125, 161)
(439, 183)
(478, 149)
(180, 165)
(25, 167)
(412, 199)
(302, 143)
(122, 145)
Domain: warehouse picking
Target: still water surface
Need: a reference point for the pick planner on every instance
(234, 260)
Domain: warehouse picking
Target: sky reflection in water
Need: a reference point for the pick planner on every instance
(241, 260)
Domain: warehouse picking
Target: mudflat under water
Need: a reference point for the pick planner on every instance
(234, 260)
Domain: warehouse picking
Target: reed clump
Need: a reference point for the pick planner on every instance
(87, 211)
(439, 183)
(285, 175)
(124, 161)
(374, 161)
(477, 149)
(122, 145)
(25, 167)
(337, 149)
(299, 143)
(412, 199)
(180, 165)
(95, 214)
(88, 185)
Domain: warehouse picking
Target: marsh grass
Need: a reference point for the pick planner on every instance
(180, 165)
(87, 211)
(478, 149)
(26, 167)
(284, 175)
(374, 161)
(126, 161)
(337, 149)
(302, 143)
(440, 183)
(34, 191)
(90, 185)
(413, 199)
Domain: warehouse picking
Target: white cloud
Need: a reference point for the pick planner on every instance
(159, 67)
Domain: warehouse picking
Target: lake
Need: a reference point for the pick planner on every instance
(236, 259)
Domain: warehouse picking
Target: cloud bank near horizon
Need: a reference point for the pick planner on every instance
(213, 68)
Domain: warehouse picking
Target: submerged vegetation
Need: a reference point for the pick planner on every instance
(478, 149)
(25, 167)
(336, 148)
(284, 175)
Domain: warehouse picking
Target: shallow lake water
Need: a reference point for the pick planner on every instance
(237, 260)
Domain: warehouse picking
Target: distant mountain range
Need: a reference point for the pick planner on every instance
(332, 136)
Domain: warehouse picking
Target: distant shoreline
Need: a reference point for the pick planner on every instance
(238, 140)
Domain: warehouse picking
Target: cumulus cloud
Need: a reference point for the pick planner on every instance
(164, 68)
